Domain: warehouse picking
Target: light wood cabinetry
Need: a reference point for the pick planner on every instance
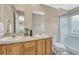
(29, 48)
(41, 47)
(35, 47)
(49, 46)
(14, 49)
(2, 50)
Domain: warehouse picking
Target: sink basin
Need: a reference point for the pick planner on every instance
(6, 39)
(42, 35)
(11, 38)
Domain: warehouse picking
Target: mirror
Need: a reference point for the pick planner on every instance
(1, 27)
(15, 22)
(14, 18)
(19, 18)
(37, 22)
(19, 21)
(1, 20)
(9, 18)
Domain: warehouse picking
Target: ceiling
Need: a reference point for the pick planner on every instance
(58, 6)
(64, 6)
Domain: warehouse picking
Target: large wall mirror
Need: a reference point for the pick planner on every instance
(14, 18)
(38, 22)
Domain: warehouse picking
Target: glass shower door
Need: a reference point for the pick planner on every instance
(69, 31)
(64, 28)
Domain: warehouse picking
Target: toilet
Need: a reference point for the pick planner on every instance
(58, 47)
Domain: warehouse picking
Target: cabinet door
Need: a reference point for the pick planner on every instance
(14, 49)
(41, 47)
(49, 46)
(2, 50)
(29, 48)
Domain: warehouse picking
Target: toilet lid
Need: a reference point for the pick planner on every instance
(59, 46)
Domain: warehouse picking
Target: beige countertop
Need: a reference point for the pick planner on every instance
(18, 39)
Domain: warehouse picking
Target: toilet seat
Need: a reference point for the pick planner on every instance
(59, 48)
(58, 45)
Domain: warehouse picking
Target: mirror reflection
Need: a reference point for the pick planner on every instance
(19, 20)
(12, 20)
(9, 18)
(1, 27)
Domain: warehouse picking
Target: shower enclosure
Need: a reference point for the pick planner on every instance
(69, 31)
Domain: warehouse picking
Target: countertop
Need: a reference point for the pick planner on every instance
(18, 39)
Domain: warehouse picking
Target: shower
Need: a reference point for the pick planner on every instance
(69, 31)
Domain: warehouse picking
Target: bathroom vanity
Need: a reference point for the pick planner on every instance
(26, 46)
(23, 21)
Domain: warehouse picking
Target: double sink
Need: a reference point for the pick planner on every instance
(10, 39)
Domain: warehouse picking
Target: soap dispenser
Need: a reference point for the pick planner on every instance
(31, 33)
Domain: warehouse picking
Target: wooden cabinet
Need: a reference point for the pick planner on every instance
(14, 49)
(49, 47)
(41, 47)
(3, 50)
(29, 48)
(35, 47)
